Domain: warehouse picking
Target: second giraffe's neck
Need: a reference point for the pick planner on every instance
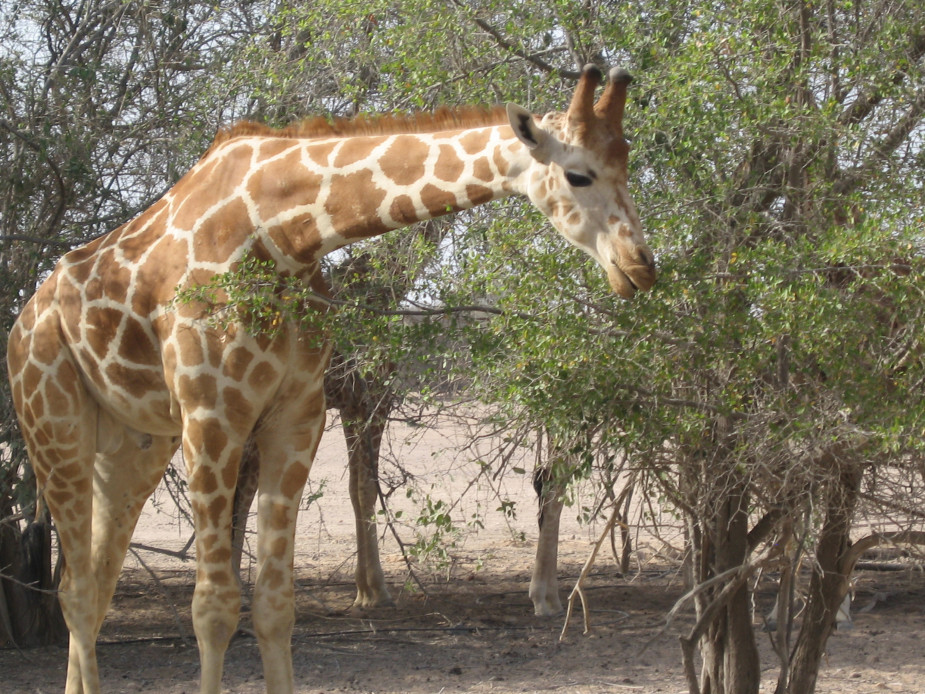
(333, 192)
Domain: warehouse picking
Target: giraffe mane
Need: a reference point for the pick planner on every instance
(320, 127)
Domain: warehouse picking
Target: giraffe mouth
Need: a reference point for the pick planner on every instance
(620, 282)
(625, 282)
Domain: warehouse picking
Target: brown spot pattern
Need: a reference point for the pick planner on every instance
(479, 194)
(201, 389)
(136, 346)
(137, 237)
(191, 353)
(404, 161)
(437, 200)
(209, 184)
(475, 142)
(101, 324)
(402, 210)
(263, 375)
(235, 363)
(449, 166)
(353, 203)
(299, 237)
(222, 233)
(238, 411)
(481, 169)
(320, 153)
(355, 150)
(216, 507)
(156, 280)
(279, 185)
(293, 479)
(203, 481)
(82, 261)
(273, 147)
(279, 517)
(136, 382)
(117, 284)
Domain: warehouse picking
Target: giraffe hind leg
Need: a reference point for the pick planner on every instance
(123, 477)
(79, 483)
(60, 435)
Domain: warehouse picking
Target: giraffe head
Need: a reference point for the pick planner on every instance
(578, 178)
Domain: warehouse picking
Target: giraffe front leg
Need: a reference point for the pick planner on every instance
(244, 493)
(287, 449)
(372, 590)
(212, 457)
(362, 449)
(544, 586)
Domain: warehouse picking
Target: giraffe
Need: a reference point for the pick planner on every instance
(110, 376)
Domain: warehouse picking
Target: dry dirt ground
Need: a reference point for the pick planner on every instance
(471, 627)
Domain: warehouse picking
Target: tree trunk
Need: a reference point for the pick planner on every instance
(728, 649)
(829, 583)
(30, 614)
(717, 502)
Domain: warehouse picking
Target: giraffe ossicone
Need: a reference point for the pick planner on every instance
(109, 376)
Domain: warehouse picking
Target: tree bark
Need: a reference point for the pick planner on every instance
(30, 614)
(829, 583)
(729, 652)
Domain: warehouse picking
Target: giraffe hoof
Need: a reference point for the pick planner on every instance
(372, 602)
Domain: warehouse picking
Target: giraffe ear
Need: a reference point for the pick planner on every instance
(526, 129)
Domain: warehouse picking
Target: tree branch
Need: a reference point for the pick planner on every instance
(10, 238)
(903, 537)
(887, 145)
(531, 58)
(862, 107)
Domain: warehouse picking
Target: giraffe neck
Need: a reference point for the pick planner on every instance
(313, 196)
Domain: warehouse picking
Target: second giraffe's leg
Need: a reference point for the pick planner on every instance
(363, 439)
(544, 586)
(287, 444)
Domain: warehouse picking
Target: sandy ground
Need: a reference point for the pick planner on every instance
(470, 628)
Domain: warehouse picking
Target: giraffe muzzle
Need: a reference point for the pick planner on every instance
(629, 275)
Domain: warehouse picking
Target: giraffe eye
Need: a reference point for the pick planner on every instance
(577, 180)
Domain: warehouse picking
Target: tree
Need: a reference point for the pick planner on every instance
(777, 366)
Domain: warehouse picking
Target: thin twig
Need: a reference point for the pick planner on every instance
(173, 610)
(181, 554)
(585, 570)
